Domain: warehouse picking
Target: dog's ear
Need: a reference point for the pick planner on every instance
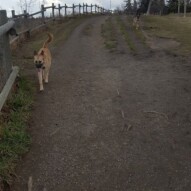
(35, 52)
(42, 53)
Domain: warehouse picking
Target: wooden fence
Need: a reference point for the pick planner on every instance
(56, 11)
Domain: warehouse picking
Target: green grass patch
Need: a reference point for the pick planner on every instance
(109, 34)
(14, 139)
(171, 26)
(123, 30)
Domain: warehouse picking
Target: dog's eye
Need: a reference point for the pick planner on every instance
(36, 61)
(40, 61)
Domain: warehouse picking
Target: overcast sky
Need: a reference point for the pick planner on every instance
(13, 4)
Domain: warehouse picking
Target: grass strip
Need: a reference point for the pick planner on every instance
(123, 30)
(109, 34)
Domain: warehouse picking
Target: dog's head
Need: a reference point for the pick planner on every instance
(39, 57)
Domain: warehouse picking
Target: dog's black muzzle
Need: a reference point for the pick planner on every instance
(39, 65)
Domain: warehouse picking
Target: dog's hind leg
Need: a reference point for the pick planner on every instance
(43, 75)
(40, 78)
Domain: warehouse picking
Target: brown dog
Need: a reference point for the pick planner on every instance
(136, 22)
(42, 61)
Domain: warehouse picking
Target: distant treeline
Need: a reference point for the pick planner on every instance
(156, 6)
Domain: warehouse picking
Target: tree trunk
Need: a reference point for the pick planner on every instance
(178, 6)
(162, 4)
(185, 6)
(149, 7)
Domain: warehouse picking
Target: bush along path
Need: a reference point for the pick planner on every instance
(110, 120)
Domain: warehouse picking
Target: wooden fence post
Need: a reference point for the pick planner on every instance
(83, 8)
(25, 14)
(59, 8)
(42, 12)
(91, 8)
(25, 22)
(86, 8)
(65, 7)
(73, 9)
(53, 10)
(79, 9)
(5, 53)
(13, 13)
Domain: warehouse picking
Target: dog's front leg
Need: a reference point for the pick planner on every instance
(40, 78)
(46, 74)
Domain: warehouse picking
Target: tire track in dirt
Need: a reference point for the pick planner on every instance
(141, 50)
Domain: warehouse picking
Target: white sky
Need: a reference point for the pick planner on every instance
(13, 4)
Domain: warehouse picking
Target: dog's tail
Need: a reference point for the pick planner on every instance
(50, 38)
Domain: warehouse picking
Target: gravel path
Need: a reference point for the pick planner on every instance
(110, 121)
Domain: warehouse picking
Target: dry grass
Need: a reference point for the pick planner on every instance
(109, 34)
(124, 32)
(171, 26)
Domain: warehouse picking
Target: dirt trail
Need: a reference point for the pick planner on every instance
(110, 121)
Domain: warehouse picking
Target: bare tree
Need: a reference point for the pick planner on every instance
(185, 7)
(162, 5)
(149, 7)
(26, 5)
(179, 1)
(44, 2)
(134, 5)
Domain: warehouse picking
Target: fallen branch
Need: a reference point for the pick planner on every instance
(30, 182)
(118, 92)
(122, 113)
(53, 133)
(158, 113)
